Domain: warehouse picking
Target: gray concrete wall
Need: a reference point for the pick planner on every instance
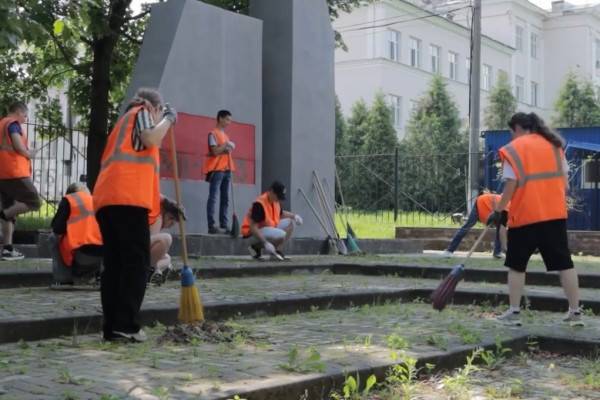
(203, 59)
(299, 96)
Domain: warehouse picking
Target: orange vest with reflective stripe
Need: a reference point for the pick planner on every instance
(128, 177)
(541, 193)
(82, 227)
(12, 164)
(272, 214)
(486, 203)
(220, 162)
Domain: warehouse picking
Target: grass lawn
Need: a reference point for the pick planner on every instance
(381, 225)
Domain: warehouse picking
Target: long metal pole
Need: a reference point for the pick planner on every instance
(475, 103)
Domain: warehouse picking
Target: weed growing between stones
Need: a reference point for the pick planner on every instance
(207, 331)
(303, 362)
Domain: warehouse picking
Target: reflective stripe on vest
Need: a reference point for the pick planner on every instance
(523, 178)
(83, 212)
(118, 154)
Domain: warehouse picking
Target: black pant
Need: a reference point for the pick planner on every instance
(126, 236)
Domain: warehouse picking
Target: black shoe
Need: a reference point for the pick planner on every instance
(255, 252)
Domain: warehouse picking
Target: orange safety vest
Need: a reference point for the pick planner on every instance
(82, 227)
(128, 177)
(486, 204)
(272, 214)
(220, 162)
(541, 193)
(12, 164)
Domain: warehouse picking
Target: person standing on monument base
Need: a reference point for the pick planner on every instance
(126, 193)
(218, 168)
(17, 191)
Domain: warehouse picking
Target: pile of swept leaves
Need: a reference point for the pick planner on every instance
(206, 331)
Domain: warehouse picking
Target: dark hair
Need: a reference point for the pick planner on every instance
(17, 106)
(145, 95)
(531, 122)
(223, 114)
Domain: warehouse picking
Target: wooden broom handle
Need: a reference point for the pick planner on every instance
(178, 195)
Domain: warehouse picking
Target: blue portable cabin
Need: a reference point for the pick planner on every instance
(583, 154)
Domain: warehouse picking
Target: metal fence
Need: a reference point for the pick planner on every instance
(59, 161)
(409, 189)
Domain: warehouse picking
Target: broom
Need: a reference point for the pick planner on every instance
(190, 305)
(235, 223)
(445, 291)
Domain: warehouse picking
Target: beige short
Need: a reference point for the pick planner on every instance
(21, 190)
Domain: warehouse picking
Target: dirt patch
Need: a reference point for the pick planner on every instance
(208, 332)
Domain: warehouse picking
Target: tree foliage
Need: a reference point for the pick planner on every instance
(502, 104)
(577, 104)
(434, 154)
(340, 128)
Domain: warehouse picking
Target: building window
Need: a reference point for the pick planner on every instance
(468, 68)
(597, 58)
(519, 38)
(415, 52)
(396, 107)
(535, 91)
(590, 174)
(486, 77)
(393, 45)
(435, 58)
(414, 104)
(534, 45)
(519, 87)
(452, 65)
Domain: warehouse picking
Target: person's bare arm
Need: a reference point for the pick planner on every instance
(155, 135)
(255, 230)
(19, 147)
(216, 150)
(288, 214)
(510, 185)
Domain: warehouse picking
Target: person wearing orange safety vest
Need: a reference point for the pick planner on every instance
(267, 225)
(77, 242)
(125, 195)
(218, 168)
(535, 174)
(17, 191)
(481, 210)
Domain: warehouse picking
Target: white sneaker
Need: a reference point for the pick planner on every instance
(12, 255)
(573, 318)
(447, 254)
(510, 318)
(139, 336)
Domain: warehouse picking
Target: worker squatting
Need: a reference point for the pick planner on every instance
(120, 227)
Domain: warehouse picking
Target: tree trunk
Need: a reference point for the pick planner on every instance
(98, 123)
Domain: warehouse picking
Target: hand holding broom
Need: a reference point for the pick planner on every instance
(190, 305)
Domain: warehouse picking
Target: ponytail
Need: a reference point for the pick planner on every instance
(534, 124)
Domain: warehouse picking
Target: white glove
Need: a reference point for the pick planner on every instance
(298, 219)
(269, 248)
(231, 145)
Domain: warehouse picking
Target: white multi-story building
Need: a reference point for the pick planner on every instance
(396, 46)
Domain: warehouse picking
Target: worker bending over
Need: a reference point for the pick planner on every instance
(160, 242)
(76, 239)
(482, 208)
(268, 226)
(17, 191)
(535, 174)
(126, 193)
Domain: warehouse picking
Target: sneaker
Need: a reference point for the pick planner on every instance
(510, 318)
(157, 278)
(499, 256)
(447, 254)
(277, 257)
(13, 255)
(138, 337)
(573, 318)
(283, 256)
(213, 230)
(255, 252)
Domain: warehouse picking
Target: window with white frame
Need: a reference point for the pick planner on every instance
(519, 38)
(415, 52)
(519, 88)
(396, 107)
(434, 51)
(534, 45)
(468, 68)
(597, 58)
(393, 45)
(486, 77)
(452, 65)
(590, 174)
(535, 93)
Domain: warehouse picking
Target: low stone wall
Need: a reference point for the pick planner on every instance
(581, 242)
